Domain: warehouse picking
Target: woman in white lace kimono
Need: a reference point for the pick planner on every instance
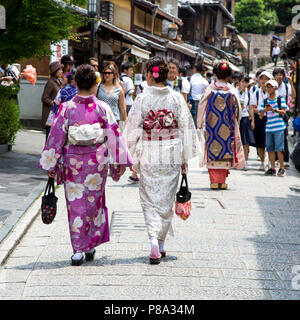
(161, 136)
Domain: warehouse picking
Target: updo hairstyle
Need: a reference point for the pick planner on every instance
(159, 68)
(85, 77)
(222, 70)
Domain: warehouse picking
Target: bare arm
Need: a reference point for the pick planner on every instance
(122, 106)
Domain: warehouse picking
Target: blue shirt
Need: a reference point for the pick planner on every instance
(275, 122)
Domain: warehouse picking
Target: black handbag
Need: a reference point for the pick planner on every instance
(183, 204)
(49, 200)
(183, 195)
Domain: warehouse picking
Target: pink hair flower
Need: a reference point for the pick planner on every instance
(155, 72)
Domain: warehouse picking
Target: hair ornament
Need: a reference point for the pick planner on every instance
(155, 72)
(224, 66)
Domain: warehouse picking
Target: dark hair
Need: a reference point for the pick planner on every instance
(237, 75)
(209, 74)
(222, 74)
(278, 71)
(163, 68)
(259, 72)
(183, 71)
(199, 67)
(246, 78)
(85, 77)
(126, 66)
(174, 62)
(71, 75)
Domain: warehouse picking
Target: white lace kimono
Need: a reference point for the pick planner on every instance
(158, 156)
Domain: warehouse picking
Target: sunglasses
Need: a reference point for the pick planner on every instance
(108, 73)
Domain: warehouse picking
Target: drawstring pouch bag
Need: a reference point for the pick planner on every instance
(183, 204)
(49, 200)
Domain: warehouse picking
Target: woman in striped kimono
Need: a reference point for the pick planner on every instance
(161, 136)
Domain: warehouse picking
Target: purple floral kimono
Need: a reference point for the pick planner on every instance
(84, 169)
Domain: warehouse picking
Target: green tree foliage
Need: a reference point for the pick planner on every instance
(32, 25)
(283, 9)
(252, 16)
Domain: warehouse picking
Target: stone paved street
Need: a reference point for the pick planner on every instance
(243, 243)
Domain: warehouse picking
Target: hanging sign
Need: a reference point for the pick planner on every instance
(58, 50)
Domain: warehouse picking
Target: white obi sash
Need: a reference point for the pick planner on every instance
(86, 135)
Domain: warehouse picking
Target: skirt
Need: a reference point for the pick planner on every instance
(260, 132)
(246, 131)
(218, 175)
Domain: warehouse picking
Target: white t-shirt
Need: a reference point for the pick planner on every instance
(261, 97)
(175, 86)
(129, 88)
(245, 99)
(275, 51)
(282, 90)
(199, 84)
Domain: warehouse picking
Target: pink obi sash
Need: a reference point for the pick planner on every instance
(160, 125)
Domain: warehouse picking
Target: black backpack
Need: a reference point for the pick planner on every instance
(285, 117)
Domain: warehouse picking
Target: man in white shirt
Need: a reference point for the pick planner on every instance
(177, 84)
(126, 74)
(256, 99)
(275, 54)
(198, 86)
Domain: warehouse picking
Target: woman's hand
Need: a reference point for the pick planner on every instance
(51, 174)
(184, 168)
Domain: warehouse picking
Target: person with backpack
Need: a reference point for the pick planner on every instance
(126, 74)
(219, 114)
(259, 127)
(247, 120)
(285, 90)
(274, 107)
(173, 80)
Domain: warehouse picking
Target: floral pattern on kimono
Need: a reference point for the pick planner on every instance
(84, 169)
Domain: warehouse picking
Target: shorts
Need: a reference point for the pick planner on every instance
(275, 141)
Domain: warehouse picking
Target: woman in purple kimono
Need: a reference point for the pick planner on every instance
(84, 141)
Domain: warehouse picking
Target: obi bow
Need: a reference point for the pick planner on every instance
(162, 119)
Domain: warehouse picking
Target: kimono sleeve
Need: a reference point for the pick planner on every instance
(116, 144)
(191, 144)
(53, 149)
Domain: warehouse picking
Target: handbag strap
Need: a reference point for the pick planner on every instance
(184, 178)
(50, 185)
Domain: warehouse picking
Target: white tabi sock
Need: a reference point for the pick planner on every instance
(77, 256)
(154, 247)
(161, 245)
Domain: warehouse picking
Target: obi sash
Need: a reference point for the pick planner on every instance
(160, 125)
(220, 126)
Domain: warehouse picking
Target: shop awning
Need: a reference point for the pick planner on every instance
(243, 42)
(182, 49)
(141, 53)
(105, 49)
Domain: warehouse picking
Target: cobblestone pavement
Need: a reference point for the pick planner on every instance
(242, 243)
